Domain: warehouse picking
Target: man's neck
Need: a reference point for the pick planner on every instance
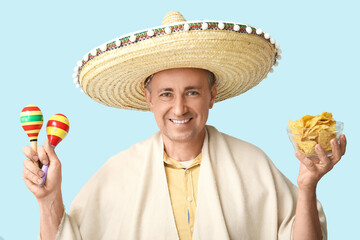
(183, 151)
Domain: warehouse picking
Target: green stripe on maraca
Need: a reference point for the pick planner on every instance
(31, 118)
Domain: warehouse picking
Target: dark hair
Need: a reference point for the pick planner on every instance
(210, 75)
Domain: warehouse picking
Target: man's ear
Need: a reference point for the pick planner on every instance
(148, 98)
(213, 95)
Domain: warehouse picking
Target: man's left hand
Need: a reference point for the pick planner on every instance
(312, 170)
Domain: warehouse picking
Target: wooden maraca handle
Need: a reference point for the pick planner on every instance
(34, 147)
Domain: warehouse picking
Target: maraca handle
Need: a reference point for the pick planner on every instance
(34, 147)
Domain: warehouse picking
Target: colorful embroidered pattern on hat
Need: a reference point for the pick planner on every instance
(141, 36)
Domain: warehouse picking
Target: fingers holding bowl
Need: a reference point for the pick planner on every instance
(309, 164)
(322, 155)
(343, 143)
(338, 149)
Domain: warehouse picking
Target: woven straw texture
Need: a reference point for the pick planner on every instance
(239, 61)
(173, 17)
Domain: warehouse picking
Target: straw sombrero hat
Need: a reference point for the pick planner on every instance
(239, 55)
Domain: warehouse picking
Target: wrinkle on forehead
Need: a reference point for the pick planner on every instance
(210, 76)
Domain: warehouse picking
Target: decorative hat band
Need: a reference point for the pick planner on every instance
(132, 38)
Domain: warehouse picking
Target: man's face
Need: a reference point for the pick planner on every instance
(180, 100)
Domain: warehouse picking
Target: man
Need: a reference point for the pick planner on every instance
(240, 193)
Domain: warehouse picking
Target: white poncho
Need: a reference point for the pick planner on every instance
(241, 195)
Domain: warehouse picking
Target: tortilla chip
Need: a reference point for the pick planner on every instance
(311, 130)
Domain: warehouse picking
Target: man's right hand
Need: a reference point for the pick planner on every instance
(32, 173)
(49, 196)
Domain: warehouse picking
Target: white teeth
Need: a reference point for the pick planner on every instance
(179, 122)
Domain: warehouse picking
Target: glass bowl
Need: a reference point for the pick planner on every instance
(305, 139)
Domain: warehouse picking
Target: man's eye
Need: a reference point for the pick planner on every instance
(165, 94)
(192, 93)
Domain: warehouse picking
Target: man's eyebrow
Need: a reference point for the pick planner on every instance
(171, 90)
(192, 87)
(165, 90)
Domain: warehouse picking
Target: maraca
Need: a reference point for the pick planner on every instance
(31, 120)
(56, 129)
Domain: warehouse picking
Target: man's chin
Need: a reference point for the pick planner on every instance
(180, 137)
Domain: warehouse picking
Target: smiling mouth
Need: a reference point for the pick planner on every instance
(180, 121)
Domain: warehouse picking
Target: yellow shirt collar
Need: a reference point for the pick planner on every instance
(174, 163)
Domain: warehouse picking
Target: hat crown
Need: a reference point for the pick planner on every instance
(173, 17)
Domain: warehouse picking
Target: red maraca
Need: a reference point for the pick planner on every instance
(56, 129)
(31, 120)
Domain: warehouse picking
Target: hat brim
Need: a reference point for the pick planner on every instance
(239, 61)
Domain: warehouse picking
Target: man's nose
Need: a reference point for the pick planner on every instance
(180, 107)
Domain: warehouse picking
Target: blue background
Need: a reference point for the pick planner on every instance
(42, 41)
